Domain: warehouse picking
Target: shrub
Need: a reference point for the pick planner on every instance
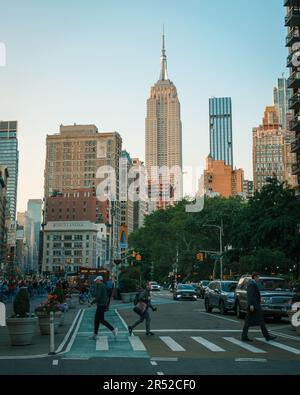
(127, 284)
(22, 303)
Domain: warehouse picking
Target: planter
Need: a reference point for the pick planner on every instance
(21, 330)
(128, 297)
(44, 322)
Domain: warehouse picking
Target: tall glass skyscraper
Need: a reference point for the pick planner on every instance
(282, 94)
(220, 123)
(9, 157)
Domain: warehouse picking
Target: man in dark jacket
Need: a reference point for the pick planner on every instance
(101, 299)
(255, 314)
(144, 297)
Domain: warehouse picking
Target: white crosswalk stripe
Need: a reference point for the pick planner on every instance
(136, 343)
(172, 344)
(102, 344)
(244, 345)
(281, 346)
(211, 346)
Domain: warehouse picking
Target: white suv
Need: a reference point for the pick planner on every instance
(155, 286)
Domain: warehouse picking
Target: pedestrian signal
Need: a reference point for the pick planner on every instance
(200, 257)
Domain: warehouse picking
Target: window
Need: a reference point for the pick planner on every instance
(68, 237)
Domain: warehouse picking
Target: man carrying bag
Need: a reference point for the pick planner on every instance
(142, 308)
(255, 314)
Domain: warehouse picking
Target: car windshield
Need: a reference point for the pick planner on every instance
(154, 283)
(229, 287)
(205, 282)
(274, 285)
(185, 286)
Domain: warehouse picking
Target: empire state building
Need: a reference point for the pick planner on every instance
(164, 136)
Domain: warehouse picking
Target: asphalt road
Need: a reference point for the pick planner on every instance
(187, 341)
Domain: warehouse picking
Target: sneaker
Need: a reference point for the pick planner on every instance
(115, 332)
(149, 333)
(93, 337)
(130, 330)
(270, 337)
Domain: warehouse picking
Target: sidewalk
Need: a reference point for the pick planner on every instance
(41, 343)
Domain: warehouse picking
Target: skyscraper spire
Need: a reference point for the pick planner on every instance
(163, 59)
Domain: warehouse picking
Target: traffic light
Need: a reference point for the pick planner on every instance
(200, 257)
(138, 257)
(133, 254)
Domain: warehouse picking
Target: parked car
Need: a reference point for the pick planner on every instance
(155, 286)
(276, 296)
(203, 285)
(220, 294)
(184, 291)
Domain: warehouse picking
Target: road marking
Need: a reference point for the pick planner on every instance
(244, 345)
(281, 346)
(164, 359)
(153, 363)
(220, 317)
(136, 343)
(195, 330)
(211, 346)
(102, 343)
(61, 346)
(172, 344)
(250, 360)
(55, 362)
(122, 320)
(74, 334)
(77, 359)
(160, 374)
(285, 336)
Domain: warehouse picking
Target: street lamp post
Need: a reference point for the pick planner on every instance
(220, 228)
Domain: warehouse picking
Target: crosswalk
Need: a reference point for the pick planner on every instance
(226, 344)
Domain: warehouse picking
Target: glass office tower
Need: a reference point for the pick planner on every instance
(220, 122)
(9, 157)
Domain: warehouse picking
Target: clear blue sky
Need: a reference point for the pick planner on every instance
(94, 61)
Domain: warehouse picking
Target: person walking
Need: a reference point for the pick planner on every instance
(144, 305)
(255, 314)
(101, 301)
(110, 287)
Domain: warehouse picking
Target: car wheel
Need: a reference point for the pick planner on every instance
(223, 311)
(239, 314)
(208, 308)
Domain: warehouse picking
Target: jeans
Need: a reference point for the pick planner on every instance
(99, 319)
(147, 317)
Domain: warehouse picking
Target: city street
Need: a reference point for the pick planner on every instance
(187, 341)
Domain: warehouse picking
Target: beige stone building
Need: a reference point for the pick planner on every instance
(268, 149)
(163, 132)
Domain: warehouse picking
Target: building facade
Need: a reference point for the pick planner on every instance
(3, 231)
(163, 140)
(268, 149)
(140, 204)
(9, 157)
(221, 180)
(282, 95)
(248, 189)
(220, 127)
(69, 245)
(33, 220)
(292, 21)
(80, 158)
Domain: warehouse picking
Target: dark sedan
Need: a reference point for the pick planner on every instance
(184, 292)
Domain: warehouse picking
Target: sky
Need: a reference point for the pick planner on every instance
(94, 61)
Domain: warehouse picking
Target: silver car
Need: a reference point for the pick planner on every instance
(220, 294)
